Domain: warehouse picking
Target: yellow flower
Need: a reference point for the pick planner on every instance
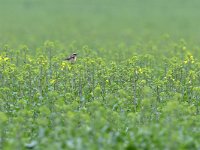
(52, 81)
(140, 70)
(42, 60)
(29, 59)
(184, 48)
(5, 58)
(63, 65)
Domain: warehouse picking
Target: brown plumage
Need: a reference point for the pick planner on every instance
(72, 58)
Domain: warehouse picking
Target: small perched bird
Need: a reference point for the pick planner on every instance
(72, 58)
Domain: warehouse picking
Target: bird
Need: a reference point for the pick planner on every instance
(72, 58)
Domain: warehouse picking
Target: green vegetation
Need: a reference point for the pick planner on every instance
(135, 84)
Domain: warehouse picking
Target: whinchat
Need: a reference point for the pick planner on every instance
(72, 58)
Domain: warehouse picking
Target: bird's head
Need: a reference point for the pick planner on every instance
(74, 54)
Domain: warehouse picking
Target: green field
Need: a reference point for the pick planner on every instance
(135, 84)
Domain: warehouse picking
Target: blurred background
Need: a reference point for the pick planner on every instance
(97, 22)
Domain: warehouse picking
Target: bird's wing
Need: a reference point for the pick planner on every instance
(70, 57)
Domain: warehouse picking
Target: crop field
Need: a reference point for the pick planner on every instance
(135, 84)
